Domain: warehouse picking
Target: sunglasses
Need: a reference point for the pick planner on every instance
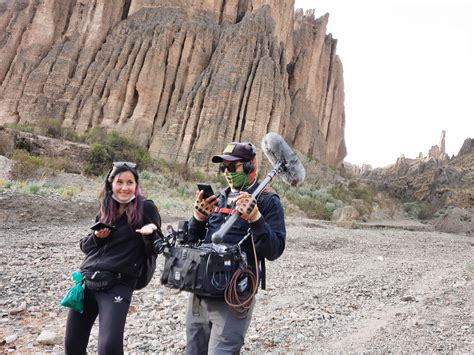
(232, 167)
(119, 164)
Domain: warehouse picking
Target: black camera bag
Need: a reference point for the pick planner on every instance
(201, 270)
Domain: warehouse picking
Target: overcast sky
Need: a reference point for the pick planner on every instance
(408, 74)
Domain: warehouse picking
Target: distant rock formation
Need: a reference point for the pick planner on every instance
(467, 147)
(439, 151)
(435, 179)
(436, 155)
(182, 77)
(356, 169)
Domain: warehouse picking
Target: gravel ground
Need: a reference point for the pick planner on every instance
(334, 290)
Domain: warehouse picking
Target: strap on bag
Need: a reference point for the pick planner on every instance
(166, 271)
(189, 266)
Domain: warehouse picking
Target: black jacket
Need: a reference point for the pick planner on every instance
(124, 250)
(269, 231)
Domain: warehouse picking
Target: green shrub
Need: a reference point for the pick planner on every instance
(115, 148)
(59, 164)
(409, 207)
(94, 135)
(341, 192)
(145, 175)
(26, 166)
(28, 188)
(312, 207)
(427, 211)
(99, 159)
(69, 191)
(185, 190)
(33, 188)
(23, 144)
(47, 127)
(6, 183)
(21, 127)
(316, 203)
(70, 135)
(361, 192)
(354, 191)
(440, 213)
(470, 268)
(50, 128)
(423, 210)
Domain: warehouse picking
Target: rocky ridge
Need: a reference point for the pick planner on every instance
(175, 73)
(436, 178)
(440, 181)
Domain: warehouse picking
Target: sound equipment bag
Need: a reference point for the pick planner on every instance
(204, 270)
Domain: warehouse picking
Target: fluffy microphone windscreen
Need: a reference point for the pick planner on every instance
(278, 151)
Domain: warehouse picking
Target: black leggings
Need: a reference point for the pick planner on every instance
(112, 307)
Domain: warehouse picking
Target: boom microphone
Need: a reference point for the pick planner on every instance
(279, 152)
(284, 161)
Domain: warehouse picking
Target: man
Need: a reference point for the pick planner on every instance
(211, 325)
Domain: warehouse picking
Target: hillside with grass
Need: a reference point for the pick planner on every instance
(43, 161)
(37, 162)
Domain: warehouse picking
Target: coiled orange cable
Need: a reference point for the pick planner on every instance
(240, 304)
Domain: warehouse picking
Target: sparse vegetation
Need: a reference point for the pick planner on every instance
(69, 191)
(427, 211)
(171, 184)
(7, 184)
(32, 188)
(179, 172)
(353, 190)
(470, 268)
(105, 146)
(49, 128)
(422, 210)
(21, 127)
(39, 188)
(28, 166)
(316, 203)
(23, 144)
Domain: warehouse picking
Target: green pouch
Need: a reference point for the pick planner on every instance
(74, 298)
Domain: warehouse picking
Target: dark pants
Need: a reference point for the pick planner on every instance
(112, 307)
(211, 327)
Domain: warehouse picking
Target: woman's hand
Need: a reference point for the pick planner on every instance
(147, 229)
(102, 233)
(203, 207)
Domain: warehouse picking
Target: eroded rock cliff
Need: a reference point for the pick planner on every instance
(435, 179)
(182, 77)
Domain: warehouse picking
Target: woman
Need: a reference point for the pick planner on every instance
(114, 257)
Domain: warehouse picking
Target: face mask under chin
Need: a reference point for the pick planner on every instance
(123, 202)
(237, 180)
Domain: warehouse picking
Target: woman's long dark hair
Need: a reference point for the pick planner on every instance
(109, 208)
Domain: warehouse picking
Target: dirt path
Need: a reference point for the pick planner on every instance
(377, 290)
(334, 290)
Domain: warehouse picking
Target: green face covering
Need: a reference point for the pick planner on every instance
(237, 180)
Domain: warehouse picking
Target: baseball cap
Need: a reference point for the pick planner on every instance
(236, 151)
